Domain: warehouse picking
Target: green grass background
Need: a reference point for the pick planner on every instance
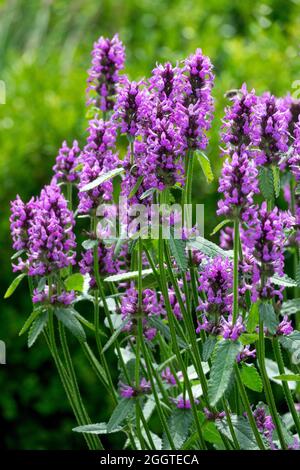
(44, 53)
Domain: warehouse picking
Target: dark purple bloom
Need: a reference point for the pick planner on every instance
(132, 108)
(63, 298)
(264, 424)
(245, 354)
(266, 237)
(127, 391)
(183, 403)
(20, 220)
(168, 377)
(241, 122)
(239, 184)
(285, 327)
(51, 238)
(216, 282)
(108, 57)
(66, 162)
(214, 415)
(231, 330)
(274, 122)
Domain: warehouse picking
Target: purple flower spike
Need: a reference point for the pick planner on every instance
(108, 57)
(51, 239)
(241, 122)
(63, 298)
(66, 162)
(246, 354)
(20, 219)
(132, 108)
(238, 184)
(213, 416)
(184, 403)
(127, 391)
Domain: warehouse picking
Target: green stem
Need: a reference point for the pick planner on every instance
(176, 349)
(286, 389)
(247, 406)
(267, 386)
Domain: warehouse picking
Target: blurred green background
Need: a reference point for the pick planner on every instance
(44, 53)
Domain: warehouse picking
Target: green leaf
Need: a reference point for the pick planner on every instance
(165, 330)
(288, 377)
(248, 338)
(243, 431)
(179, 425)
(114, 336)
(126, 276)
(14, 285)
(290, 307)
(291, 342)
(177, 248)
(75, 282)
(101, 179)
(68, 318)
(266, 182)
(147, 193)
(36, 328)
(17, 254)
(136, 186)
(211, 433)
(297, 189)
(253, 318)
(219, 226)
(298, 275)
(208, 347)
(206, 166)
(222, 367)
(251, 377)
(268, 317)
(276, 180)
(97, 428)
(120, 413)
(42, 284)
(208, 248)
(89, 244)
(284, 281)
(30, 320)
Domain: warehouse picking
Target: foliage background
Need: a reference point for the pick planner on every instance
(44, 54)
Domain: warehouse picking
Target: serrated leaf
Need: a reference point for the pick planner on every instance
(219, 226)
(222, 367)
(179, 424)
(136, 186)
(276, 180)
(101, 179)
(30, 320)
(290, 307)
(97, 428)
(177, 248)
(268, 317)
(208, 347)
(266, 182)
(243, 432)
(288, 377)
(11, 289)
(208, 248)
(68, 318)
(206, 166)
(89, 244)
(291, 342)
(126, 276)
(253, 318)
(211, 433)
(36, 328)
(251, 378)
(248, 338)
(284, 281)
(75, 282)
(120, 413)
